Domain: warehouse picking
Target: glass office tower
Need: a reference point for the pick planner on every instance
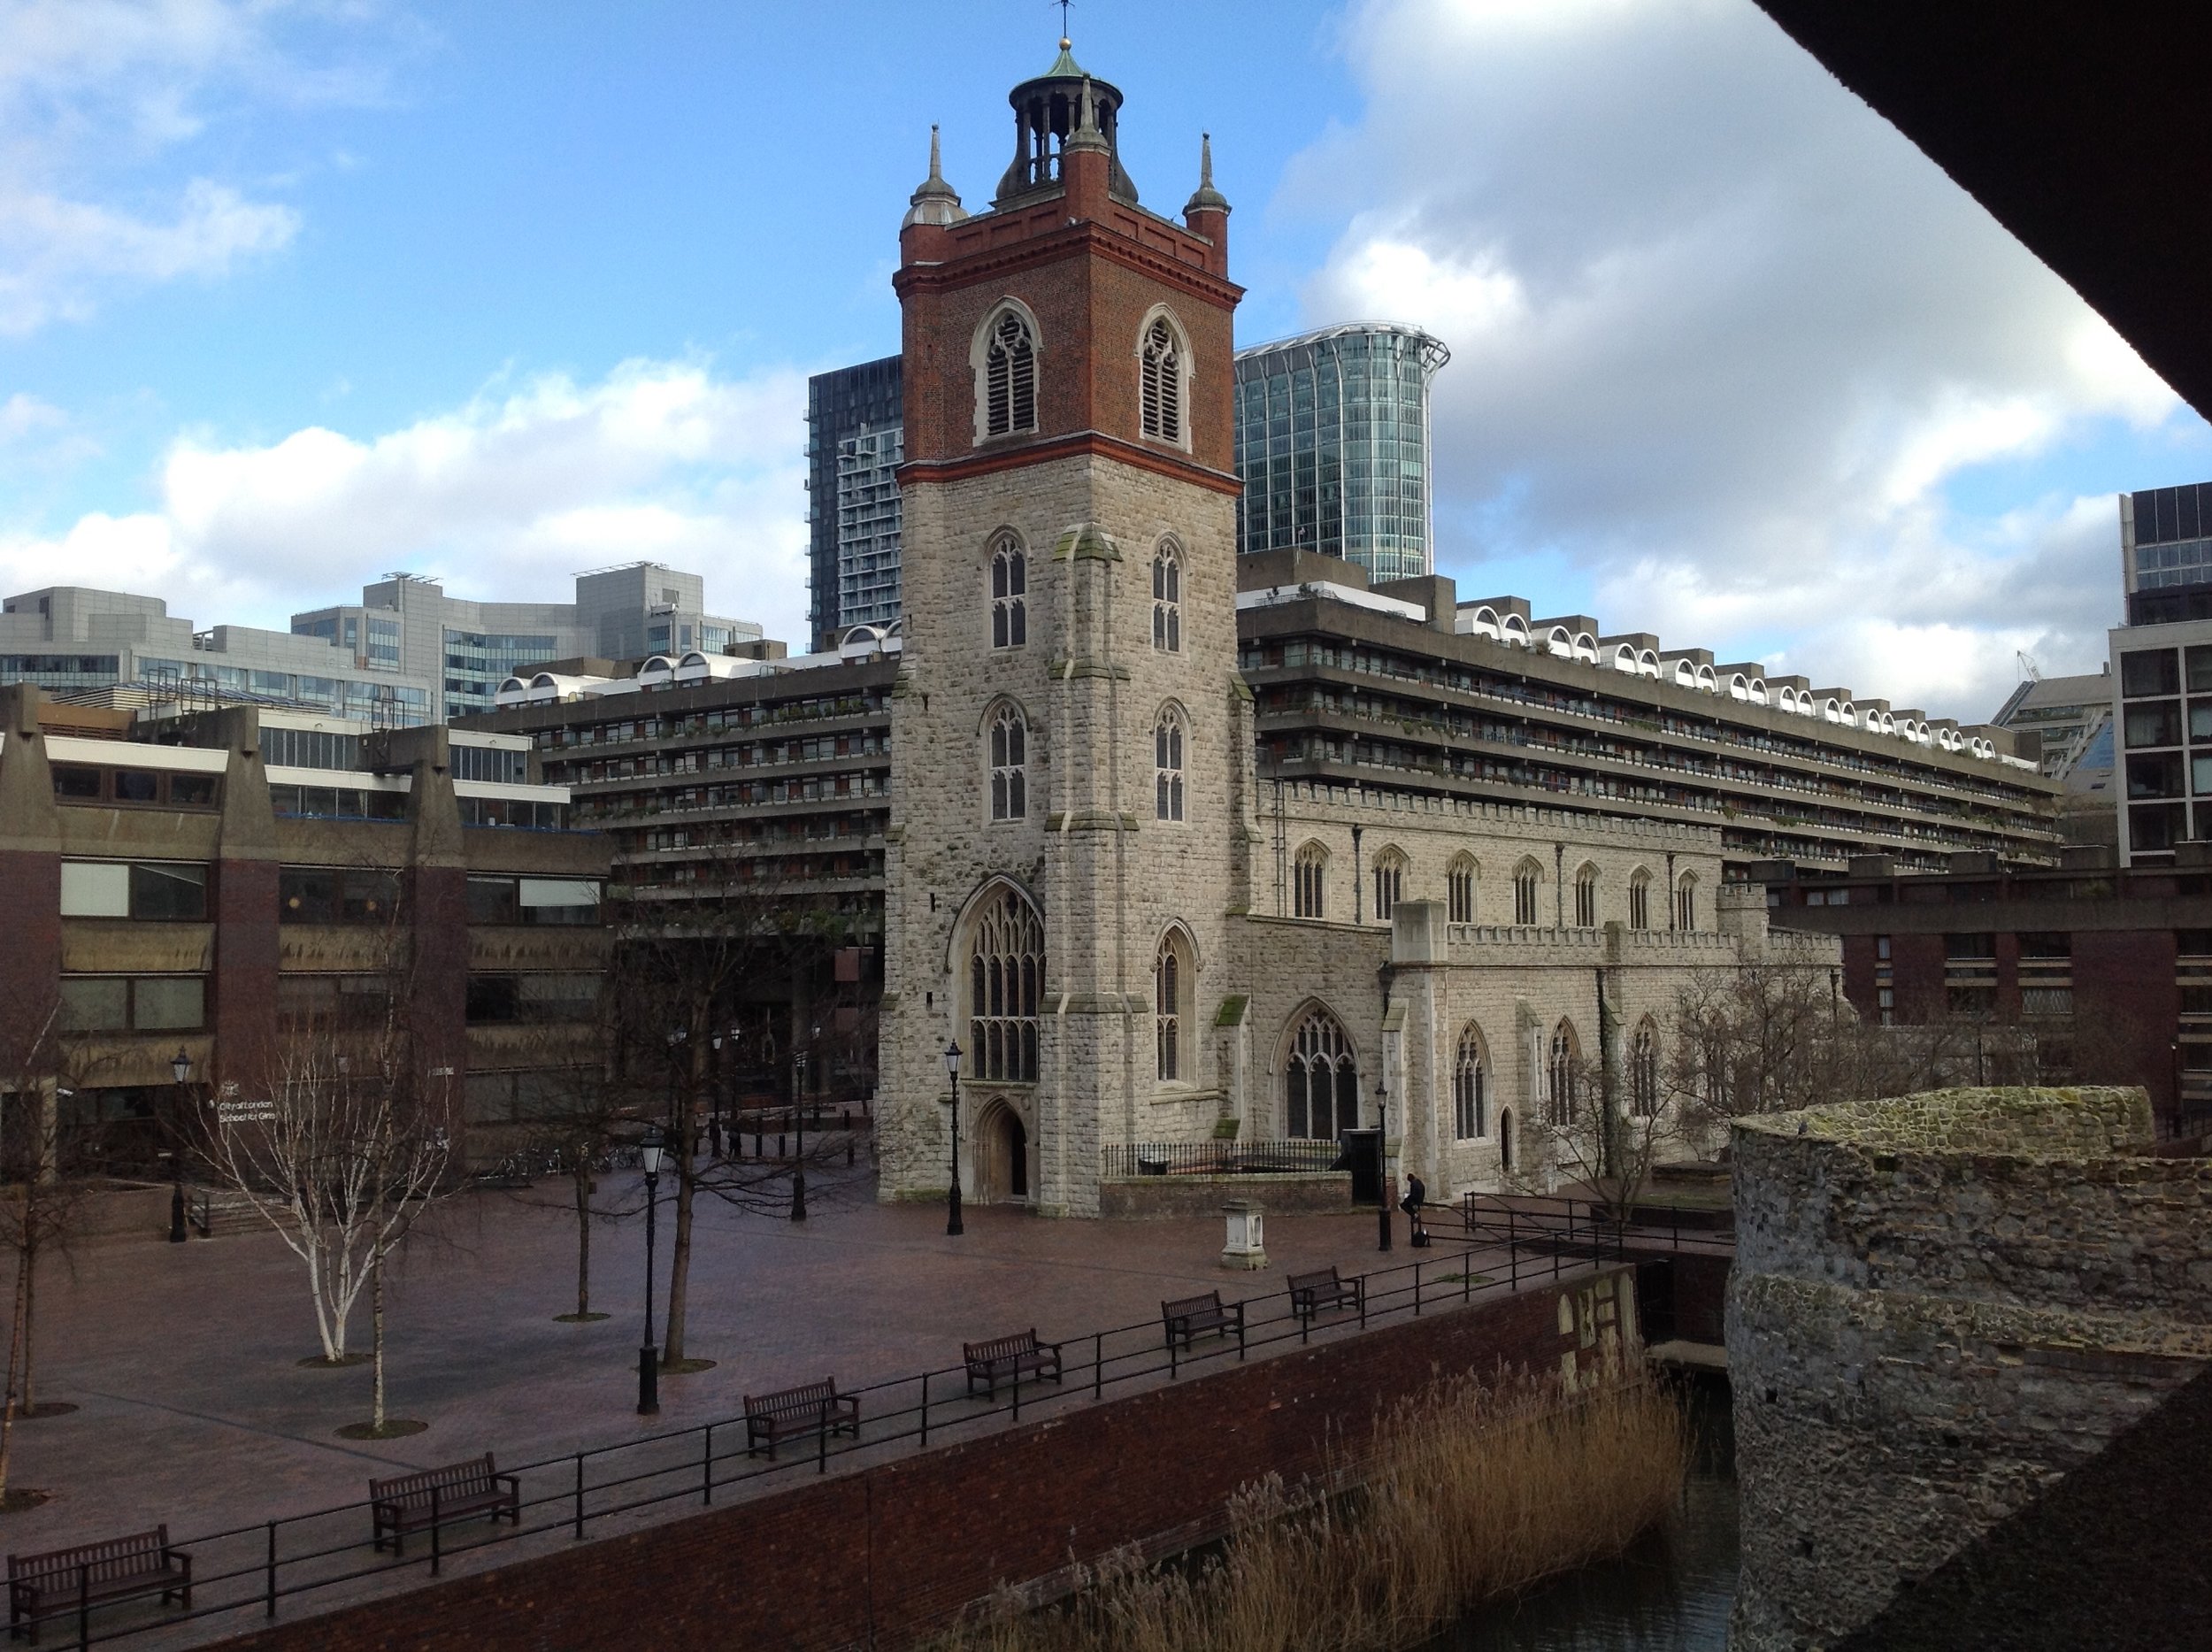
(854, 444)
(1332, 443)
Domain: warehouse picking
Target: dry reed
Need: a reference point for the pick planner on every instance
(1470, 1491)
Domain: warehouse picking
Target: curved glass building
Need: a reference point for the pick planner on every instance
(1332, 443)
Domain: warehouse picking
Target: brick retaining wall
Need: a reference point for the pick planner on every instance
(891, 1552)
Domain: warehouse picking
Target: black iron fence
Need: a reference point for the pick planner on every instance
(248, 1572)
(1582, 1228)
(1224, 1158)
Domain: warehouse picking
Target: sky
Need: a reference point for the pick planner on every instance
(296, 292)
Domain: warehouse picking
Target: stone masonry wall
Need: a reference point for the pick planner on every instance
(1942, 1305)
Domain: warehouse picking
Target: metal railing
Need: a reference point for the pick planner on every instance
(1295, 1157)
(254, 1568)
(1582, 1228)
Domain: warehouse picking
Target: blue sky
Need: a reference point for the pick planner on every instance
(294, 293)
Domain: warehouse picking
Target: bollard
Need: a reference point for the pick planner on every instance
(272, 1578)
(580, 1496)
(781, 1140)
(706, 1468)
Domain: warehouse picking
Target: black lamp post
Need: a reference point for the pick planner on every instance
(952, 1192)
(648, 1368)
(1385, 1185)
(798, 1125)
(181, 1065)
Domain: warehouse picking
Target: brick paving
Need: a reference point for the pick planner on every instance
(193, 1409)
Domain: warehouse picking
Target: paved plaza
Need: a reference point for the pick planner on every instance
(193, 1409)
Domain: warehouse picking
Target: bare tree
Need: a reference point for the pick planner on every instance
(346, 1142)
(40, 1206)
(686, 958)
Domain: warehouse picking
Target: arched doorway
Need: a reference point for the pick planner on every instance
(1003, 1166)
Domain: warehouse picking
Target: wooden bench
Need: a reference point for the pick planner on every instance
(812, 1408)
(120, 1568)
(1311, 1293)
(1191, 1316)
(431, 1497)
(1009, 1356)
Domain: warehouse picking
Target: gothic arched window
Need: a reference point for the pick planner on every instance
(1010, 764)
(1010, 596)
(1009, 376)
(1560, 1077)
(1390, 883)
(1171, 985)
(1006, 980)
(1167, 765)
(1643, 1070)
(1459, 890)
(1526, 877)
(1162, 382)
(1685, 902)
(1167, 600)
(1587, 897)
(1321, 1079)
(1470, 1088)
(1639, 900)
(1310, 877)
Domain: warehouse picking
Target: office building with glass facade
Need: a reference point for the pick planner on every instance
(1332, 443)
(855, 443)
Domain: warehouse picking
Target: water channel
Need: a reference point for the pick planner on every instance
(1671, 1592)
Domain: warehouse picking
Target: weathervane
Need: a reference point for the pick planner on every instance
(1063, 6)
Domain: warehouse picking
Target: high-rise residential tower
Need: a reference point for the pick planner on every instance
(1332, 443)
(856, 442)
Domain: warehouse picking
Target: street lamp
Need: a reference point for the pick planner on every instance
(952, 1193)
(648, 1371)
(798, 1124)
(181, 1066)
(714, 1118)
(1385, 1186)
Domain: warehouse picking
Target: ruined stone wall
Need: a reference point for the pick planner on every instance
(1942, 1306)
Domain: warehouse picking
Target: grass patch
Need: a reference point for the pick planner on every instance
(1469, 1493)
(316, 1362)
(44, 1408)
(592, 1318)
(1471, 1279)
(15, 1502)
(686, 1367)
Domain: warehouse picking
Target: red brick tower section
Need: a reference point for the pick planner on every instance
(1089, 262)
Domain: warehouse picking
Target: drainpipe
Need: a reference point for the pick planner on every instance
(1358, 872)
(1558, 889)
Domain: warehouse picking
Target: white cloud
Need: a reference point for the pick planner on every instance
(503, 498)
(93, 94)
(1721, 339)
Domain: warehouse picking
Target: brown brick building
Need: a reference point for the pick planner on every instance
(212, 884)
(2111, 969)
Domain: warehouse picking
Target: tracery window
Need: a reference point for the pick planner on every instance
(1009, 377)
(1586, 898)
(1167, 600)
(1010, 765)
(1167, 765)
(1685, 902)
(1525, 879)
(1560, 1077)
(1390, 881)
(1170, 981)
(1470, 1088)
(1459, 890)
(1639, 900)
(1163, 386)
(1643, 1070)
(1010, 596)
(1321, 1079)
(1006, 977)
(1308, 879)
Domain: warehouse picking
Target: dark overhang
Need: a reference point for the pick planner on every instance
(2081, 128)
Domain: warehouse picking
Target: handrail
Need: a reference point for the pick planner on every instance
(564, 1495)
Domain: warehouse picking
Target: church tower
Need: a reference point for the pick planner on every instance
(1071, 746)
